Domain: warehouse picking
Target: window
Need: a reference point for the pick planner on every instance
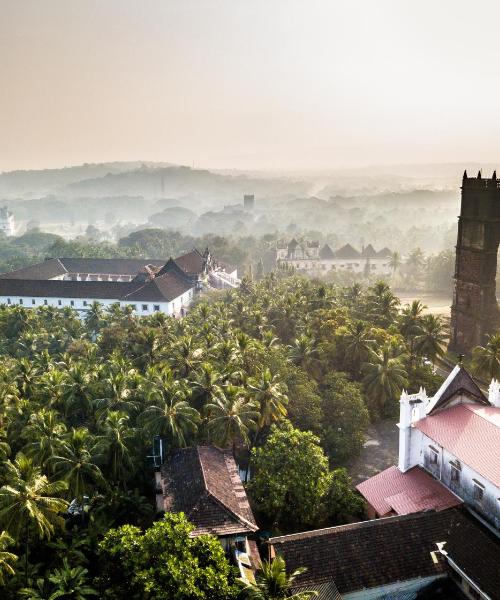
(20, 300)
(59, 302)
(33, 301)
(433, 455)
(145, 307)
(156, 307)
(133, 306)
(455, 473)
(8, 300)
(85, 303)
(45, 302)
(72, 302)
(478, 491)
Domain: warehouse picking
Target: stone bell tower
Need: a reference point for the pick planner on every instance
(475, 313)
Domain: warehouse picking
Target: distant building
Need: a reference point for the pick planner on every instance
(249, 202)
(147, 286)
(203, 483)
(7, 224)
(309, 257)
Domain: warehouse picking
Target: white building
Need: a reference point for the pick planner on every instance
(449, 453)
(147, 286)
(7, 225)
(309, 257)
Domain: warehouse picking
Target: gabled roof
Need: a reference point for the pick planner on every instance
(405, 493)
(204, 483)
(326, 253)
(458, 382)
(471, 432)
(293, 244)
(192, 263)
(347, 251)
(369, 252)
(384, 253)
(375, 553)
(162, 288)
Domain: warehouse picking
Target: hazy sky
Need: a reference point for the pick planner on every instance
(249, 83)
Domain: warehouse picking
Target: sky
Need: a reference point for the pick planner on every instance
(249, 84)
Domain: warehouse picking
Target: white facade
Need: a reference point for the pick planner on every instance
(7, 225)
(175, 307)
(418, 449)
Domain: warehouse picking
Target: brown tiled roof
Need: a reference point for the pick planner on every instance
(347, 251)
(192, 262)
(383, 551)
(161, 289)
(47, 269)
(204, 483)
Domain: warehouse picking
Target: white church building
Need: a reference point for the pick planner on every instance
(146, 286)
(449, 453)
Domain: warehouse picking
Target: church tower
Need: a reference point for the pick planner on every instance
(475, 312)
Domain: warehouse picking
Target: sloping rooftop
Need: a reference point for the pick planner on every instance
(458, 382)
(326, 253)
(405, 493)
(393, 549)
(347, 251)
(204, 483)
(369, 252)
(384, 253)
(192, 262)
(472, 433)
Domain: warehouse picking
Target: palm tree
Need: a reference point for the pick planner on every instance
(29, 500)
(78, 396)
(172, 418)
(273, 583)
(431, 342)
(207, 383)
(303, 350)
(231, 416)
(270, 397)
(358, 344)
(410, 324)
(395, 262)
(384, 378)
(76, 463)
(6, 557)
(70, 583)
(45, 432)
(94, 317)
(486, 359)
(114, 446)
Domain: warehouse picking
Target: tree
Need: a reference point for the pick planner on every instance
(268, 392)
(357, 344)
(395, 262)
(345, 418)
(114, 446)
(76, 463)
(384, 380)
(231, 416)
(70, 583)
(431, 341)
(28, 501)
(6, 557)
(342, 502)
(174, 419)
(164, 562)
(486, 359)
(273, 583)
(290, 478)
(44, 434)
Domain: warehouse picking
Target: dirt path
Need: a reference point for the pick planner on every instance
(379, 452)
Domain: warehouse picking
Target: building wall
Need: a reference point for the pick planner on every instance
(355, 265)
(488, 506)
(141, 308)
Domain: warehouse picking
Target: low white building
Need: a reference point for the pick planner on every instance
(147, 286)
(309, 257)
(449, 447)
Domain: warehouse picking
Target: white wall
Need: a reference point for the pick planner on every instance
(170, 308)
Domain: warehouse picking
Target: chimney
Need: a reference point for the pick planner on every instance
(494, 393)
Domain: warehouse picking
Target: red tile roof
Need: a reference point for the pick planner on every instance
(405, 493)
(472, 433)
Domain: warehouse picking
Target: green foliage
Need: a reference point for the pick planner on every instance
(290, 477)
(164, 562)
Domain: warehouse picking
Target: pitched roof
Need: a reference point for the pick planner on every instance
(161, 289)
(458, 382)
(472, 433)
(293, 244)
(384, 253)
(204, 483)
(392, 549)
(406, 493)
(347, 251)
(192, 262)
(326, 252)
(369, 252)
